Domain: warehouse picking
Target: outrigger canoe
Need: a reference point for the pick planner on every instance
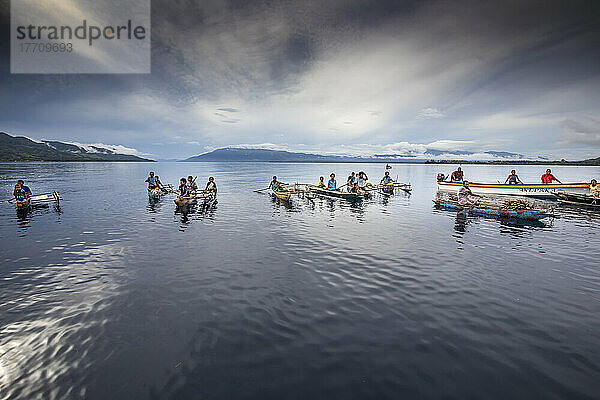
(578, 199)
(494, 212)
(155, 193)
(542, 191)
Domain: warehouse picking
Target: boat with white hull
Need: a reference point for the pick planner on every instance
(537, 190)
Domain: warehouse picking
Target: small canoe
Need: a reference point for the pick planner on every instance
(490, 211)
(282, 194)
(387, 188)
(578, 199)
(181, 201)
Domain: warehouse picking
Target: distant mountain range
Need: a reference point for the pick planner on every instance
(17, 148)
(266, 155)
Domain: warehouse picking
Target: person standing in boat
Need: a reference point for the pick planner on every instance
(321, 184)
(466, 197)
(350, 181)
(387, 178)
(457, 176)
(192, 187)
(211, 186)
(594, 188)
(513, 178)
(21, 188)
(332, 184)
(548, 178)
(362, 179)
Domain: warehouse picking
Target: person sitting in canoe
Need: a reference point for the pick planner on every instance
(594, 188)
(356, 189)
(275, 184)
(547, 178)
(153, 182)
(387, 178)
(513, 178)
(183, 188)
(466, 196)
(350, 181)
(362, 179)
(457, 176)
(21, 189)
(332, 184)
(211, 186)
(191, 185)
(321, 184)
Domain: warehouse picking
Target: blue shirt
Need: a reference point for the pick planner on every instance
(274, 185)
(386, 179)
(26, 189)
(332, 184)
(151, 181)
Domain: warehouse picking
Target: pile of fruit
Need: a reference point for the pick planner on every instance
(516, 205)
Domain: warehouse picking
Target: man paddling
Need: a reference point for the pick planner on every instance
(387, 178)
(548, 178)
(466, 197)
(183, 188)
(211, 186)
(153, 182)
(350, 181)
(275, 184)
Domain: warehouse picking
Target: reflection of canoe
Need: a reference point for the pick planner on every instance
(529, 190)
(490, 211)
(282, 194)
(579, 199)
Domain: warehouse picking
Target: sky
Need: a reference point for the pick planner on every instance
(336, 77)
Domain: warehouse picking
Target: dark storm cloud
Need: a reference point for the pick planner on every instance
(335, 72)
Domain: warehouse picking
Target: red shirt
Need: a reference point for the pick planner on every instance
(548, 178)
(456, 176)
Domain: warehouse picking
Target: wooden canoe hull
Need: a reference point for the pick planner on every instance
(534, 215)
(282, 195)
(542, 191)
(578, 199)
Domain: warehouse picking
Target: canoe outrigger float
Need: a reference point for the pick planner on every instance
(492, 211)
(578, 199)
(542, 191)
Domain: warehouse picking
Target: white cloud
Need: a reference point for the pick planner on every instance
(430, 113)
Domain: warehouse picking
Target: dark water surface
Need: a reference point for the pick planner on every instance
(112, 297)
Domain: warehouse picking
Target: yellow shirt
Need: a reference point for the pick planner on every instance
(595, 190)
(321, 184)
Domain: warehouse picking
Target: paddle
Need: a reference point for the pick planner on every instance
(261, 190)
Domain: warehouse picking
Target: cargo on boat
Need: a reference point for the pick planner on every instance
(491, 211)
(537, 190)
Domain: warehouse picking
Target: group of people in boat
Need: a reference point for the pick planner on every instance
(355, 183)
(512, 179)
(187, 187)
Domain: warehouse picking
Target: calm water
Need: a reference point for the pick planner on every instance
(111, 297)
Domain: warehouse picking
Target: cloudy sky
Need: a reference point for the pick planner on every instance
(335, 76)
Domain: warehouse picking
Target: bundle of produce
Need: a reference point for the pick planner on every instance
(516, 205)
